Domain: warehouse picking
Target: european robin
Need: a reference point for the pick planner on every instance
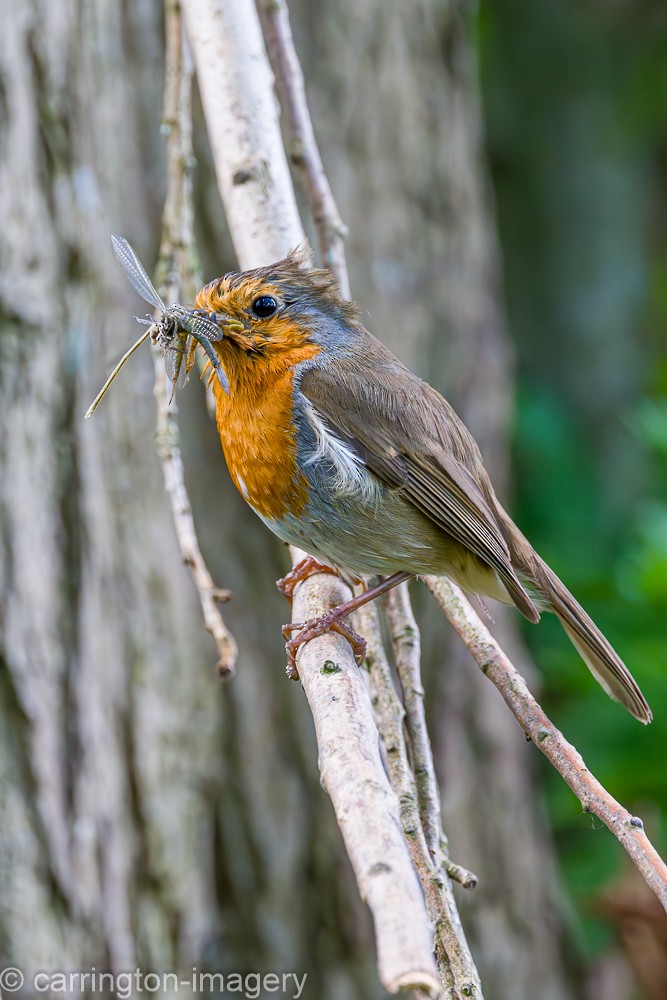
(345, 453)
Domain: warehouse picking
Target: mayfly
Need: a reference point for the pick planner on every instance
(177, 331)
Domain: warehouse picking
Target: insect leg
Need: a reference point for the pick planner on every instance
(215, 361)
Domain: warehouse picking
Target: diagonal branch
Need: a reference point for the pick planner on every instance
(455, 963)
(253, 178)
(366, 805)
(628, 829)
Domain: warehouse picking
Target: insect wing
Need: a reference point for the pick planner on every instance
(135, 272)
(191, 346)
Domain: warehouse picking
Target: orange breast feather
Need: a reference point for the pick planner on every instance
(256, 427)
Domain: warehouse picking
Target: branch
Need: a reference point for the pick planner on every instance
(594, 798)
(302, 145)
(175, 259)
(460, 977)
(406, 645)
(236, 90)
(366, 808)
(254, 181)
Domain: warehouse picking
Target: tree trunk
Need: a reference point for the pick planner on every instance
(151, 816)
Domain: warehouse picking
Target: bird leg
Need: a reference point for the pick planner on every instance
(308, 566)
(333, 621)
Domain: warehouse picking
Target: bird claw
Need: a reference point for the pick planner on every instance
(307, 567)
(330, 621)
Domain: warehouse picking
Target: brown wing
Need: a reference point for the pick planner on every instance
(412, 440)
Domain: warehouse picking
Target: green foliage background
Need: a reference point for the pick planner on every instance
(576, 116)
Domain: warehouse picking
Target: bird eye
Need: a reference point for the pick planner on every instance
(264, 306)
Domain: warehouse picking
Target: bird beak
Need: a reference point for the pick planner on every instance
(229, 324)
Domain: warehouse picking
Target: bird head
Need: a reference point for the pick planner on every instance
(277, 308)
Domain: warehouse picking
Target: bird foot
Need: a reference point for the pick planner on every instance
(307, 567)
(330, 621)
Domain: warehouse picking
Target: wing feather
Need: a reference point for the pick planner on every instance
(412, 440)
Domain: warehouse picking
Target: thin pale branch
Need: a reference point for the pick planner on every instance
(176, 255)
(406, 644)
(301, 142)
(366, 808)
(459, 975)
(594, 798)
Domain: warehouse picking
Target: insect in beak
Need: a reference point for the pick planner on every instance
(176, 332)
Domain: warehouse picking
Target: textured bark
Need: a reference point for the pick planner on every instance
(150, 815)
(107, 776)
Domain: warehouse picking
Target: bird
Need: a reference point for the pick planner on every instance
(345, 453)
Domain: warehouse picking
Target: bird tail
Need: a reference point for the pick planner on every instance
(596, 651)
